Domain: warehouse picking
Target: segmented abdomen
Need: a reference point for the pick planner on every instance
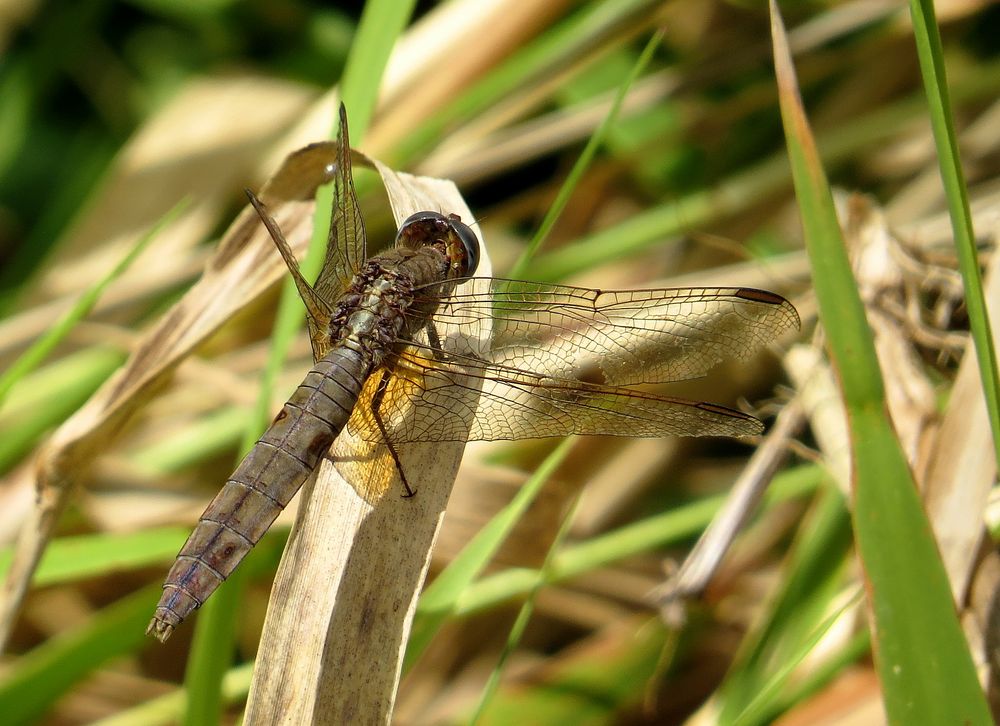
(262, 485)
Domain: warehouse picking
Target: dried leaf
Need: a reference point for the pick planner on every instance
(354, 565)
(242, 268)
(962, 467)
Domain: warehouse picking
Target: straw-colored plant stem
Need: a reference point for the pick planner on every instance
(346, 590)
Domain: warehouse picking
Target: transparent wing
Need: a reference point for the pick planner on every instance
(346, 246)
(618, 338)
(561, 358)
(318, 311)
(428, 400)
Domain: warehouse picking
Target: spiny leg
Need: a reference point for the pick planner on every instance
(439, 354)
(383, 386)
(434, 339)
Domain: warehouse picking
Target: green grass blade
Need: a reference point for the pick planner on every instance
(814, 578)
(557, 48)
(744, 189)
(931, 56)
(856, 649)
(583, 161)
(214, 434)
(524, 614)
(602, 686)
(48, 396)
(41, 348)
(925, 668)
(17, 92)
(50, 670)
(439, 599)
(661, 530)
(168, 709)
(68, 559)
(84, 160)
(381, 23)
(760, 708)
(211, 653)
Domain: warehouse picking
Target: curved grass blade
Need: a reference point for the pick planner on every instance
(583, 161)
(41, 348)
(440, 598)
(380, 25)
(925, 668)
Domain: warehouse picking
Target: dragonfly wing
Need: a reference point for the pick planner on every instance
(346, 247)
(620, 337)
(317, 310)
(429, 399)
(560, 361)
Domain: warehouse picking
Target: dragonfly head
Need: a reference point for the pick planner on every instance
(456, 239)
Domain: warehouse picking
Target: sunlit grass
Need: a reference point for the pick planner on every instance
(706, 159)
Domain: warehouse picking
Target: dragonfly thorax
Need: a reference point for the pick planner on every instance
(381, 306)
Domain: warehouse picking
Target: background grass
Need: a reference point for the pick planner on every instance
(691, 184)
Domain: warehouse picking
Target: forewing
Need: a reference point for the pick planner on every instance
(624, 337)
(426, 401)
(317, 310)
(346, 247)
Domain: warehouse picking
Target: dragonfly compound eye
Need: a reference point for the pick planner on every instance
(423, 228)
(470, 246)
(430, 219)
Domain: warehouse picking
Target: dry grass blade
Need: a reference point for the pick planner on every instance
(913, 648)
(947, 456)
(875, 255)
(244, 265)
(347, 586)
(962, 469)
(422, 75)
(705, 557)
(192, 148)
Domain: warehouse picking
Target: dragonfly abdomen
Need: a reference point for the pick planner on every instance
(263, 484)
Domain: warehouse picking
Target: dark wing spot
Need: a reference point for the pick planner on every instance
(761, 296)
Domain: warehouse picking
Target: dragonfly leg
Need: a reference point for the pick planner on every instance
(435, 342)
(434, 339)
(383, 386)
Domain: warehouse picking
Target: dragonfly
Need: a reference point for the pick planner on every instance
(392, 366)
